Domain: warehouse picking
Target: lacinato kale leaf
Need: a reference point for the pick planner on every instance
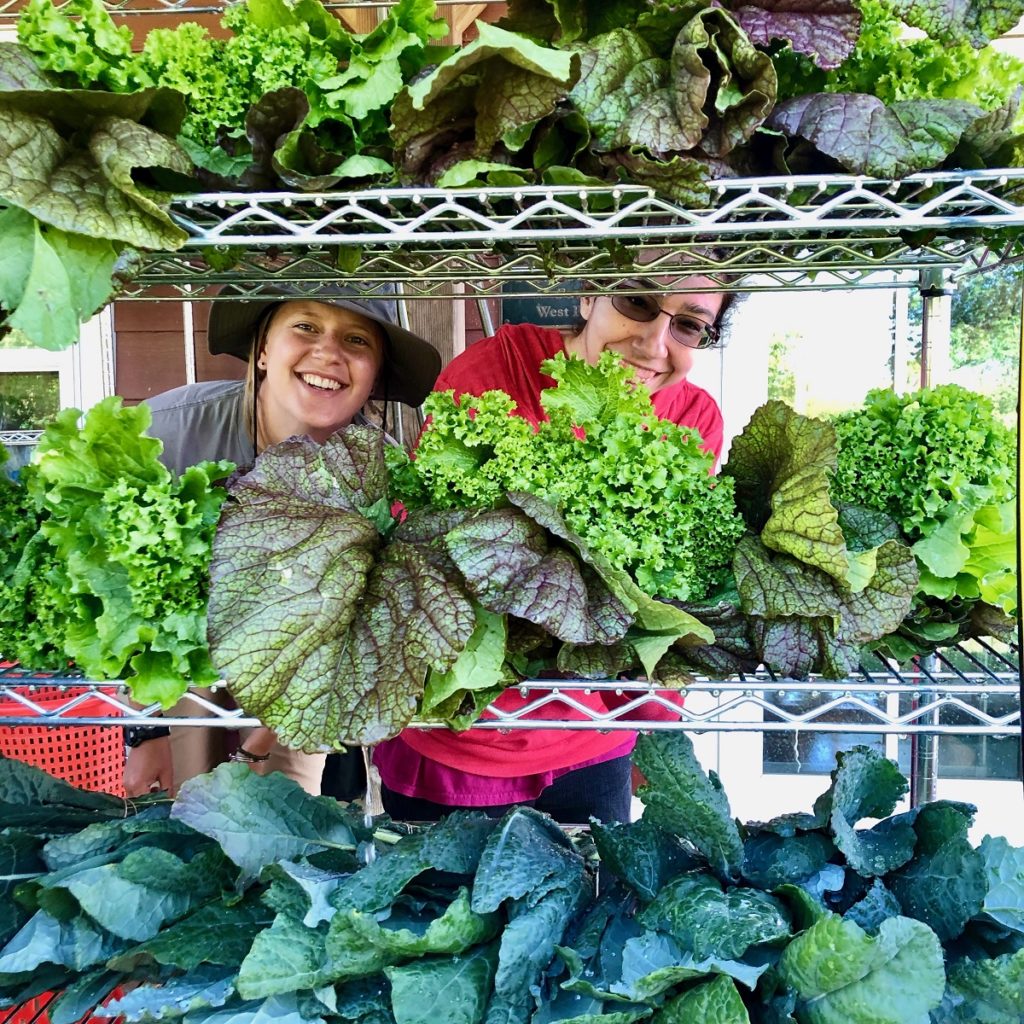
(258, 822)
(480, 919)
(684, 801)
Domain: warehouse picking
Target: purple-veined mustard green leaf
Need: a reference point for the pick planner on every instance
(867, 137)
(511, 566)
(782, 464)
(271, 124)
(885, 602)
(954, 21)
(684, 801)
(738, 80)
(274, 548)
(651, 617)
(517, 80)
(71, 110)
(19, 72)
(842, 975)
(321, 633)
(536, 18)
(681, 178)
(90, 190)
(362, 682)
(773, 586)
(618, 73)
(428, 141)
(709, 922)
(805, 621)
(824, 30)
(790, 647)
(597, 661)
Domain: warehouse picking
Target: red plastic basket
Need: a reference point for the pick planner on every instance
(35, 1011)
(87, 756)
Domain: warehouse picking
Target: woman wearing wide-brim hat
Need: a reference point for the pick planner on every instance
(313, 364)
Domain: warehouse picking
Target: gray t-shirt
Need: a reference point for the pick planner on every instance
(207, 421)
(202, 421)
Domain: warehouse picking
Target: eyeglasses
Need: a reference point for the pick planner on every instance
(685, 329)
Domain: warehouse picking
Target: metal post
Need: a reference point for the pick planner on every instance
(924, 752)
(936, 289)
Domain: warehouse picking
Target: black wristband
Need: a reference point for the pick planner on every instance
(136, 734)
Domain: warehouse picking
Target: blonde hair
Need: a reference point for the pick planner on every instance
(253, 374)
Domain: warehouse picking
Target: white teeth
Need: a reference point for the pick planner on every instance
(320, 382)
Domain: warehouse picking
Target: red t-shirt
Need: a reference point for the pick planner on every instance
(510, 361)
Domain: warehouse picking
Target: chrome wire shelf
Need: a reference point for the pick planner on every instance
(830, 231)
(11, 438)
(879, 699)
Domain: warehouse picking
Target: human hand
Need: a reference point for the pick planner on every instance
(255, 747)
(149, 767)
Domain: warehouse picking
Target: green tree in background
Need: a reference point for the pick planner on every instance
(985, 334)
(781, 378)
(28, 401)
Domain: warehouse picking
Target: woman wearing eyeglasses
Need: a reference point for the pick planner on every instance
(570, 774)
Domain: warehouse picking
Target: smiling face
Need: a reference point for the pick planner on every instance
(658, 360)
(319, 364)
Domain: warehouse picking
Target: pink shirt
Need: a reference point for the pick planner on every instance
(481, 768)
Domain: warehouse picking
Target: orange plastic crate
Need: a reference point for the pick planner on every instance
(87, 756)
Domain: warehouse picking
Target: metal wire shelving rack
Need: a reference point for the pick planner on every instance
(752, 234)
(818, 232)
(890, 699)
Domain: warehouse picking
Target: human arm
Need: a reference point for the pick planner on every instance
(149, 766)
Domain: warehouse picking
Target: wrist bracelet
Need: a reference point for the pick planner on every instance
(136, 734)
(243, 756)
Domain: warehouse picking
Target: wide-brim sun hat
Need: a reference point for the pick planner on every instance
(411, 363)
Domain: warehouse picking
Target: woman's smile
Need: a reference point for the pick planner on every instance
(320, 364)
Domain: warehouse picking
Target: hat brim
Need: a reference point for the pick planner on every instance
(411, 363)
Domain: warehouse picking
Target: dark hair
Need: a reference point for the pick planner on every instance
(725, 314)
